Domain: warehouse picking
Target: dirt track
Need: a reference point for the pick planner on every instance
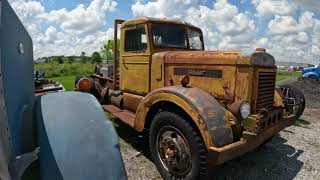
(292, 154)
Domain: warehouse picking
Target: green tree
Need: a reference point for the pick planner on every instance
(107, 50)
(46, 60)
(71, 60)
(83, 58)
(58, 59)
(96, 58)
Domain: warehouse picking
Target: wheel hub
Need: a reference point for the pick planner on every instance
(174, 152)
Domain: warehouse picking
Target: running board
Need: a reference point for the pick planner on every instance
(124, 115)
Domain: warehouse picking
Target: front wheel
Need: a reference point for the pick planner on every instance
(177, 148)
(313, 78)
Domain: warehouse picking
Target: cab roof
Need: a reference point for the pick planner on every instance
(142, 20)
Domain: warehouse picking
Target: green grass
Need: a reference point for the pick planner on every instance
(281, 75)
(60, 70)
(66, 81)
(65, 73)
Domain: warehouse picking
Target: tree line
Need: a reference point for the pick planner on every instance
(106, 53)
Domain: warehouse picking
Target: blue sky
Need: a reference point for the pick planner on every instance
(286, 28)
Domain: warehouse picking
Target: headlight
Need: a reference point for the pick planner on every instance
(245, 110)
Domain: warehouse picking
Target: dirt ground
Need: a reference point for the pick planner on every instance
(292, 154)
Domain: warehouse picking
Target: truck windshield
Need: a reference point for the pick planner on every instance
(174, 36)
(169, 36)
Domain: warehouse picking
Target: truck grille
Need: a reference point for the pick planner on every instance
(265, 90)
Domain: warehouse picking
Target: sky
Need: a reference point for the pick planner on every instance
(288, 29)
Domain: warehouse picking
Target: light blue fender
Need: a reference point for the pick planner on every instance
(76, 140)
(308, 74)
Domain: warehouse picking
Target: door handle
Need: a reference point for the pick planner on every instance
(124, 63)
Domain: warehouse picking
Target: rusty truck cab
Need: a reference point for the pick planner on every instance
(142, 38)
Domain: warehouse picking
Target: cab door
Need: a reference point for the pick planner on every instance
(135, 60)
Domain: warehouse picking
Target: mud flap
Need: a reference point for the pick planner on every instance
(75, 138)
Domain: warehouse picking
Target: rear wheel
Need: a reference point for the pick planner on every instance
(177, 148)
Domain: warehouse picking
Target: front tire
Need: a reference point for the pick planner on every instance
(177, 149)
(314, 78)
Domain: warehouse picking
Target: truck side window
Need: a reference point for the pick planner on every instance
(136, 40)
(195, 40)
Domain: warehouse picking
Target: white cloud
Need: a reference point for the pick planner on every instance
(284, 25)
(163, 8)
(224, 27)
(82, 19)
(290, 36)
(274, 7)
(306, 20)
(69, 32)
(311, 5)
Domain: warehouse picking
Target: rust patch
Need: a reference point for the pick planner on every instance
(210, 111)
(213, 73)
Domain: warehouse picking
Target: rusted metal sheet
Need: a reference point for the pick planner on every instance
(249, 142)
(208, 114)
(198, 72)
(258, 122)
(143, 20)
(131, 101)
(202, 57)
(243, 90)
(157, 77)
(220, 88)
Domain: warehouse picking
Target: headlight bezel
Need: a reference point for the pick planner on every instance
(245, 110)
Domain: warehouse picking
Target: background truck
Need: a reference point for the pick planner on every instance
(312, 73)
(200, 108)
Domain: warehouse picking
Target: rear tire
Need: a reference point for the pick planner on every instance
(177, 149)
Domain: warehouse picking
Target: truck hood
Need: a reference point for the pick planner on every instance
(255, 58)
(215, 72)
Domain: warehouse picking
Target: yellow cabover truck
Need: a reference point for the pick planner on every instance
(200, 108)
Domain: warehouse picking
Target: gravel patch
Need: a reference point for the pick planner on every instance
(292, 154)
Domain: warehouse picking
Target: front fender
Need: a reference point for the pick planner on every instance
(210, 117)
(75, 138)
(308, 74)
